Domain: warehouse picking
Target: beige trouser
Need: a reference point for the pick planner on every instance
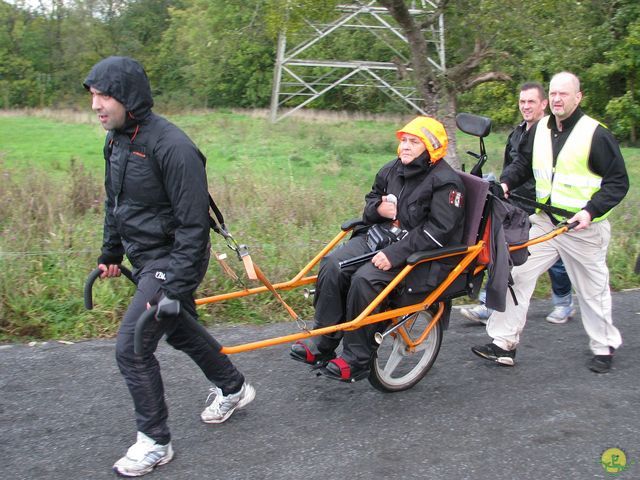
(584, 256)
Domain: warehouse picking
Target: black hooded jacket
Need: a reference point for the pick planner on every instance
(430, 207)
(157, 201)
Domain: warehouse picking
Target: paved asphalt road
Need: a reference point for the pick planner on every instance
(65, 412)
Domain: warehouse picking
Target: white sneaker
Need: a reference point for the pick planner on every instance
(223, 406)
(480, 313)
(561, 314)
(143, 456)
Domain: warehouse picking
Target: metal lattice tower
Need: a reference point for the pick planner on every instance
(298, 79)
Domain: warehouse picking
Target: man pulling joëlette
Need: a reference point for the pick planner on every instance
(157, 212)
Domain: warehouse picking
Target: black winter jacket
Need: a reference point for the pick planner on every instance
(157, 202)
(430, 207)
(517, 137)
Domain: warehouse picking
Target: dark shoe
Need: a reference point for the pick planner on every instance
(600, 363)
(492, 352)
(339, 369)
(307, 352)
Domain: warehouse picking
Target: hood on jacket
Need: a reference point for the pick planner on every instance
(432, 134)
(124, 79)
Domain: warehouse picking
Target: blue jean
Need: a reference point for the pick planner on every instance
(560, 285)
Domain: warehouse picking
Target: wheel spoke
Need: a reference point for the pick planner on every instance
(397, 368)
(395, 357)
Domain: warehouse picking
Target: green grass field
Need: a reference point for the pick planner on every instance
(284, 190)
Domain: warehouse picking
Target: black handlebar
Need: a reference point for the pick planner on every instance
(572, 225)
(147, 315)
(357, 260)
(88, 284)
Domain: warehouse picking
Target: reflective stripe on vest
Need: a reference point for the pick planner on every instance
(571, 184)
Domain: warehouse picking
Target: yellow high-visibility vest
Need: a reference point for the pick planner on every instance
(570, 185)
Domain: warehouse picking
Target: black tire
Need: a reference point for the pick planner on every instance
(393, 367)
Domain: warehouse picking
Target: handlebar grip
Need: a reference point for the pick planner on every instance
(357, 260)
(150, 314)
(351, 224)
(91, 278)
(572, 225)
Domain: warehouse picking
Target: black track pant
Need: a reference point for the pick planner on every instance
(142, 372)
(342, 294)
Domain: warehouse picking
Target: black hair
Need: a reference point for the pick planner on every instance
(534, 86)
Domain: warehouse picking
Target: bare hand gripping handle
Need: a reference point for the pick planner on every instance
(88, 284)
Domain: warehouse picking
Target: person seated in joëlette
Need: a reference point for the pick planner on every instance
(416, 192)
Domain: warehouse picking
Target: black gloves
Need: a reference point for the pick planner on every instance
(107, 259)
(496, 189)
(167, 307)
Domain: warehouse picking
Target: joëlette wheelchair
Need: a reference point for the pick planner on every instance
(410, 341)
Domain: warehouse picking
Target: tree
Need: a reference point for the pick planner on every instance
(16, 72)
(616, 74)
(440, 91)
(221, 53)
(216, 52)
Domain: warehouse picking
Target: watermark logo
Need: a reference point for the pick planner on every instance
(614, 461)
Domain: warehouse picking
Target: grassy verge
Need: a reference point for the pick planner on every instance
(284, 190)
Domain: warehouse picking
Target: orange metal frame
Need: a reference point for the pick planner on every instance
(366, 317)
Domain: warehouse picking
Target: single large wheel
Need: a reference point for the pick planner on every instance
(395, 367)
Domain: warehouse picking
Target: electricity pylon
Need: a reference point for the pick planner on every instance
(299, 79)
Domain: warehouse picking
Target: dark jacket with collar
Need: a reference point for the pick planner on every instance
(157, 201)
(517, 137)
(430, 207)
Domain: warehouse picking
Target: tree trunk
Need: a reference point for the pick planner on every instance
(423, 75)
(437, 102)
(448, 119)
(632, 131)
(439, 97)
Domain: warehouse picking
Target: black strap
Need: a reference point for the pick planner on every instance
(217, 224)
(510, 287)
(549, 209)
